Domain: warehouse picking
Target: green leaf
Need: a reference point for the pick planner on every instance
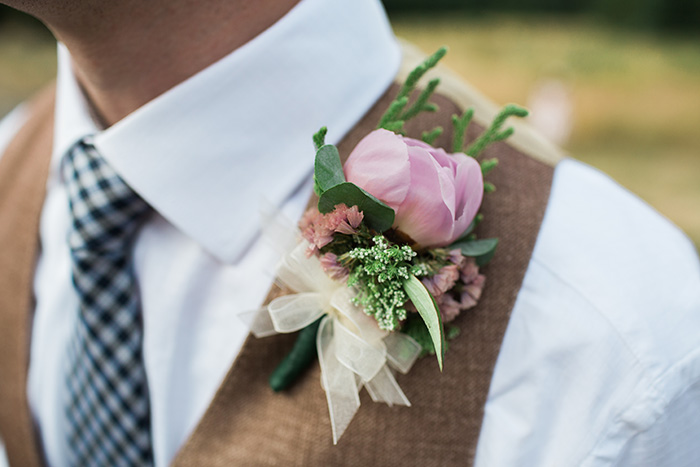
(328, 170)
(476, 248)
(297, 360)
(483, 260)
(320, 137)
(377, 215)
(428, 310)
(489, 187)
(452, 332)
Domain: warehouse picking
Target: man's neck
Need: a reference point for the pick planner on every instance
(127, 53)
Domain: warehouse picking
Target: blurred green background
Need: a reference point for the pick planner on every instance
(617, 82)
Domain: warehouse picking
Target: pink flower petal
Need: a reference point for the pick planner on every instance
(355, 217)
(449, 308)
(379, 164)
(423, 215)
(469, 183)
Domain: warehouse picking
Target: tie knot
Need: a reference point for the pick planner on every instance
(106, 213)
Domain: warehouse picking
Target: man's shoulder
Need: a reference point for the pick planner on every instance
(605, 332)
(635, 268)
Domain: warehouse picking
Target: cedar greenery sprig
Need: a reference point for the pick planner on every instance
(494, 134)
(429, 137)
(319, 138)
(491, 135)
(460, 125)
(395, 116)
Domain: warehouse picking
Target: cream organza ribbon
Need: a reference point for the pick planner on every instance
(352, 351)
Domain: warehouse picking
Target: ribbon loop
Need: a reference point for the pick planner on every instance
(402, 351)
(357, 354)
(354, 317)
(302, 274)
(259, 322)
(291, 313)
(338, 381)
(384, 388)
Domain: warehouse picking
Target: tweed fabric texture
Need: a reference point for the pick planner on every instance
(107, 407)
(23, 173)
(248, 424)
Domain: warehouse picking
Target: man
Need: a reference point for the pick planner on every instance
(201, 108)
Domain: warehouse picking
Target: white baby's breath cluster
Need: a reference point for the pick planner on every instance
(379, 273)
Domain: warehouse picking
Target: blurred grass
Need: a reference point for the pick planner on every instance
(636, 97)
(27, 61)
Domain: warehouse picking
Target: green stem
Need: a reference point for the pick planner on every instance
(297, 360)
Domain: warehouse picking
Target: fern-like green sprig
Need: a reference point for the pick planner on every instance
(320, 137)
(390, 120)
(494, 134)
(395, 116)
(460, 125)
(429, 137)
(422, 104)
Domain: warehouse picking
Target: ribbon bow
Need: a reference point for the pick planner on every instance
(352, 351)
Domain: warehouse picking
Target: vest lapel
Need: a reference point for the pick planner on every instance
(23, 174)
(247, 424)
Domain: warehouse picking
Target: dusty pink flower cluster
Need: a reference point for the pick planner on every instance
(331, 266)
(319, 229)
(463, 270)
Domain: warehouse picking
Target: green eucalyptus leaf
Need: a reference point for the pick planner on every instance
(328, 170)
(477, 248)
(483, 260)
(428, 310)
(377, 215)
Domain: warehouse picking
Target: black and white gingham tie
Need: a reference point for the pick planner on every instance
(107, 407)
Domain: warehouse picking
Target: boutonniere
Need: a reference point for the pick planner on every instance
(388, 258)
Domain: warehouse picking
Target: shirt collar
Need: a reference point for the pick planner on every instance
(205, 153)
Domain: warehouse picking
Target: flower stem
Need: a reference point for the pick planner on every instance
(297, 360)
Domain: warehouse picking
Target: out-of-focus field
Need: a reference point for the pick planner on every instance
(635, 97)
(27, 60)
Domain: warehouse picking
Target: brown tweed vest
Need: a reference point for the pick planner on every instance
(246, 423)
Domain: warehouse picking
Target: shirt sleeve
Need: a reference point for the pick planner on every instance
(672, 440)
(600, 364)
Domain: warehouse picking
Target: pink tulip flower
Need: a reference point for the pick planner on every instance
(435, 195)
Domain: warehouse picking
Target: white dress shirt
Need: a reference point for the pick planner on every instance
(600, 364)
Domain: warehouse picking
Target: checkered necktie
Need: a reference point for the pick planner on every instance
(107, 406)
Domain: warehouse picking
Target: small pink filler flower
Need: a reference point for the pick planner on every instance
(318, 229)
